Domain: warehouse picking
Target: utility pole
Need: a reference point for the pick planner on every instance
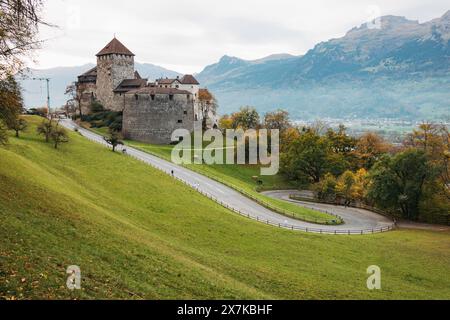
(47, 80)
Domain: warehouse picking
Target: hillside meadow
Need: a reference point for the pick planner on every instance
(138, 234)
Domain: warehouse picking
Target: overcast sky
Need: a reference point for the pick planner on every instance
(185, 36)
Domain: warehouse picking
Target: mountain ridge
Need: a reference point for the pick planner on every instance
(406, 63)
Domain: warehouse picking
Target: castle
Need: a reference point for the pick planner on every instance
(152, 111)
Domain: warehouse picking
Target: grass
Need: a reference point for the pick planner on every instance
(241, 178)
(136, 233)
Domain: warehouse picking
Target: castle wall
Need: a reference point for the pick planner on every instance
(111, 71)
(154, 120)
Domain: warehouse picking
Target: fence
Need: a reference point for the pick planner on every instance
(135, 154)
(339, 220)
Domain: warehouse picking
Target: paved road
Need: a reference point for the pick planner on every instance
(234, 200)
(354, 217)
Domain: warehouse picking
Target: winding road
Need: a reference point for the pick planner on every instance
(356, 221)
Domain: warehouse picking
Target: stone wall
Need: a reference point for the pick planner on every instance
(111, 71)
(154, 120)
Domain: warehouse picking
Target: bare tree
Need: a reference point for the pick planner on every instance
(46, 128)
(18, 125)
(74, 98)
(59, 135)
(19, 26)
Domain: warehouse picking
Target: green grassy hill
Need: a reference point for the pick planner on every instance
(136, 233)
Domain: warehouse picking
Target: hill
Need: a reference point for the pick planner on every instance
(136, 233)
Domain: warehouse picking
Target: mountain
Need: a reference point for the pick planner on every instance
(35, 92)
(393, 67)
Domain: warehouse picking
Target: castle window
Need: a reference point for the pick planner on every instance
(177, 86)
(170, 96)
(136, 97)
(185, 112)
(180, 121)
(152, 96)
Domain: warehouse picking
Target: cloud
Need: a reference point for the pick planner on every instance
(192, 34)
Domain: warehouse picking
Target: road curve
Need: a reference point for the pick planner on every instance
(235, 201)
(354, 217)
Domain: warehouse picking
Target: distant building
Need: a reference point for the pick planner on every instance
(151, 110)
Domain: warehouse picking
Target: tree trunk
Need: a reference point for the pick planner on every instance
(17, 133)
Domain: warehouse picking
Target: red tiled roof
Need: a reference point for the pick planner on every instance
(189, 79)
(115, 47)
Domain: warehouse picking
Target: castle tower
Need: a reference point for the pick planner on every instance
(115, 63)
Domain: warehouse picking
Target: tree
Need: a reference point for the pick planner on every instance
(114, 139)
(246, 118)
(46, 128)
(397, 182)
(344, 187)
(326, 189)
(277, 120)
(18, 125)
(288, 137)
(11, 103)
(74, 98)
(226, 122)
(343, 146)
(19, 24)
(308, 157)
(370, 148)
(208, 106)
(434, 140)
(59, 135)
(3, 133)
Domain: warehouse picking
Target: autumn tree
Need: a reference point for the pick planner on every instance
(277, 120)
(434, 140)
(225, 122)
(326, 188)
(344, 187)
(370, 148)
(246, 118)
(208, 106)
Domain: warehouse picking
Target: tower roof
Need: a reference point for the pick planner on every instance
(115, 47)
(189, 79)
